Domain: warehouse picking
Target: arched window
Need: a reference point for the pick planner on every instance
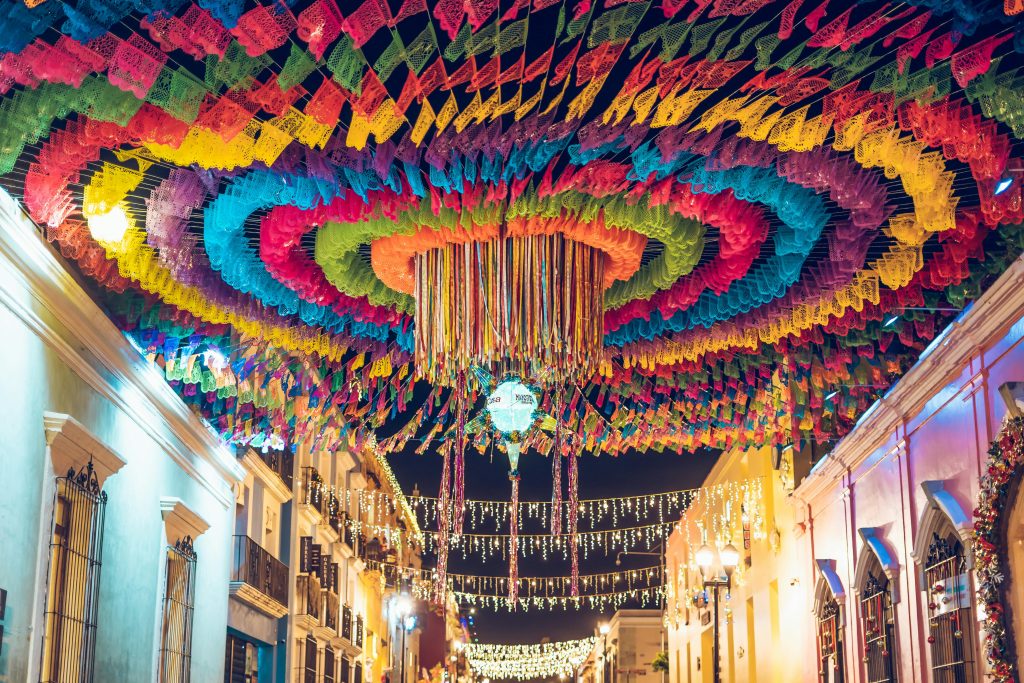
(951, 634)
(830, 642)
(879, 624)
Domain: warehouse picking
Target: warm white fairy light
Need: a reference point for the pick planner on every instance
(525, 662)
(598, 601)
(397, 498)
(532, 586)
(724, 503)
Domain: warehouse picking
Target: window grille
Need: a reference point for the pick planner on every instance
(830, 644)
(179, 605)
(879, 629)
(359, 631)
(73, 578)
(951, 632)
(309, 667)
(329, 661)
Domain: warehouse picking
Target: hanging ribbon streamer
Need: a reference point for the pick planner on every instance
(556, 470)
(574, 503)
(513, 559)
(459, 502)
(443, 528)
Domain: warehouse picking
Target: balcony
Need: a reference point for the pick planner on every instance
(314, 491)
(279, 465)
(258, 578)
(330, 610)
(340, 523)
(308, 595)
(282, 463)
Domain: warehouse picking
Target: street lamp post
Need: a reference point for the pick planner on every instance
(403, 610)
(728, 559)
(603, 629)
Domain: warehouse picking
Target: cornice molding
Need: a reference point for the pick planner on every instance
(30, 277)
(979, 327)
(246, 594)
(267, 476)
(72, 446)
(180, 520)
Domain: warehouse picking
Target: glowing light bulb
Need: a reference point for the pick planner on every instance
(110, 226)
(1003, 185)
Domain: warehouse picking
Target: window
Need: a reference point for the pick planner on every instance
(877, 618)
(309, 665)
(830, 643)
(357, 676)
(329, 661)
(179, 601)
(73, 578)
(951, 632)
(346, 669)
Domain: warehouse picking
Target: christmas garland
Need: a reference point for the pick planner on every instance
(997, 489)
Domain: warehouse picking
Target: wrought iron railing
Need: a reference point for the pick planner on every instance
(307, 592)
(179, 605)
(879, 638)
(281, 462)
(950, 633)
(254, 565)
(830, 644)
(314, 490)
(76, 553)
(330, 610)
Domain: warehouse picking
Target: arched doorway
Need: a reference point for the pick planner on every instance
(943, 551)
(877, 588)
(878, 621)
(952, 637)
(831, 632)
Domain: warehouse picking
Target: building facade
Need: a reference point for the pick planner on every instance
(625, 648)
(136, 546)
(865, 569)
(117, 512)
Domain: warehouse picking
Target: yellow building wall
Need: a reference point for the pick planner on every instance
(756, 636)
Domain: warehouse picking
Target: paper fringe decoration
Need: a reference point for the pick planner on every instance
(530, 305)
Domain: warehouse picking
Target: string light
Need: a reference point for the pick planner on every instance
(593, 602)
(724, 511)
(529, 586)
(592, 512)
(525, 662)
(398, 498)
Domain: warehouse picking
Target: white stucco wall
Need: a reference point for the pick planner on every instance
(46, 365)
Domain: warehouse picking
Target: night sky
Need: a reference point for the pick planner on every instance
(599, 477)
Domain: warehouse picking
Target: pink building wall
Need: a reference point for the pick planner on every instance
(935, 425)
